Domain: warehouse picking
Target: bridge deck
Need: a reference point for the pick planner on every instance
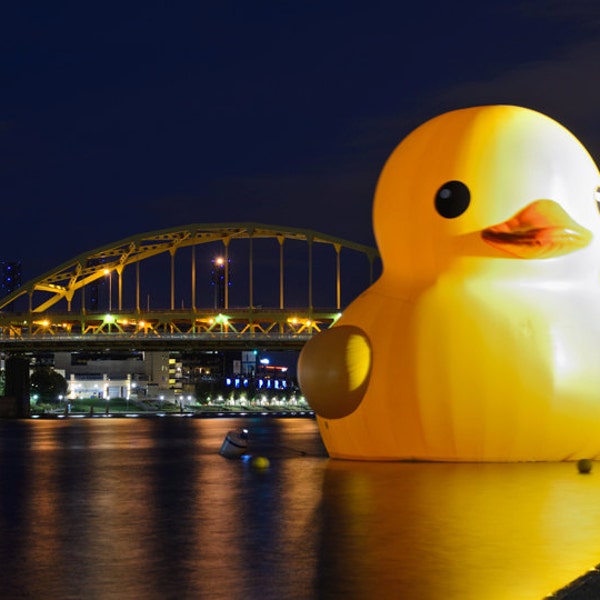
(158, 330)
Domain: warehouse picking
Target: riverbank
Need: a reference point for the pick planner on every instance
(197, 414)
(121, 407)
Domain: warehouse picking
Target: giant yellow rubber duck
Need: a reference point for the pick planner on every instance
(481, 339)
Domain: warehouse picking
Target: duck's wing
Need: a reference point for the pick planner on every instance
(334, 369)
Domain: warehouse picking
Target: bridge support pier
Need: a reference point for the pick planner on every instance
(16, 388)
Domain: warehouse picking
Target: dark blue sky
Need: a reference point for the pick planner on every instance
(123, 117)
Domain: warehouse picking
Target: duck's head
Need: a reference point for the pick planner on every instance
(477, 185)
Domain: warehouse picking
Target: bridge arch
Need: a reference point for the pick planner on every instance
(60, 284)
(57, 307)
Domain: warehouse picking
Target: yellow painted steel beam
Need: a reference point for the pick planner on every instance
(243, 323)
(88, 267)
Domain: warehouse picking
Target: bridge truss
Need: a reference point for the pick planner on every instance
(58, 313)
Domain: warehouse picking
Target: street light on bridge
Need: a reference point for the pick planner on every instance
(221, 280)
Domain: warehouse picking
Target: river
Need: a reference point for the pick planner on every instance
(147, 509)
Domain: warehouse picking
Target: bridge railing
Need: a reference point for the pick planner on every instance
(161, 328)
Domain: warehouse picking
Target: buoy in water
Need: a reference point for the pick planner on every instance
(260, 462)
(584, 465)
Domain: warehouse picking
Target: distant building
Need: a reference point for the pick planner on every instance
(10, 278)
(220, 277)
(118, 374)
(92, 299)
(135, 374)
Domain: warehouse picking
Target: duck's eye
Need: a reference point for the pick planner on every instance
(452, 199)
(597, 197)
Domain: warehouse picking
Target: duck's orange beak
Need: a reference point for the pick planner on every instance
(541, 230)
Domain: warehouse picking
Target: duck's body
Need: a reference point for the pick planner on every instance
(474, 372)
(481, 339)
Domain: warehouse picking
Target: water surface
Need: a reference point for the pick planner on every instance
(147, 509)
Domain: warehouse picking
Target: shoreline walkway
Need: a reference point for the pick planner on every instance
(208, 414)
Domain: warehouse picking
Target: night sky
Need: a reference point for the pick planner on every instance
(123, 117)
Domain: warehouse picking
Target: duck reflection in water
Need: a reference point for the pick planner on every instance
(445, 530)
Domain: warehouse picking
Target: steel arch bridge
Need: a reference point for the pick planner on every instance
(59, 313)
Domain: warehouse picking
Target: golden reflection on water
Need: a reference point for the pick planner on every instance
(109, 508)
(468, 531)
(78, 492)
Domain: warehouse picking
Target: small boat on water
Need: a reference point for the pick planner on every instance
(235, 444)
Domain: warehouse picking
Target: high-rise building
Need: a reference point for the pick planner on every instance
(221, 276)
(10, 278)
(93, 295)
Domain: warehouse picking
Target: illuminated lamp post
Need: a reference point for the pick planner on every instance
(218, 281)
